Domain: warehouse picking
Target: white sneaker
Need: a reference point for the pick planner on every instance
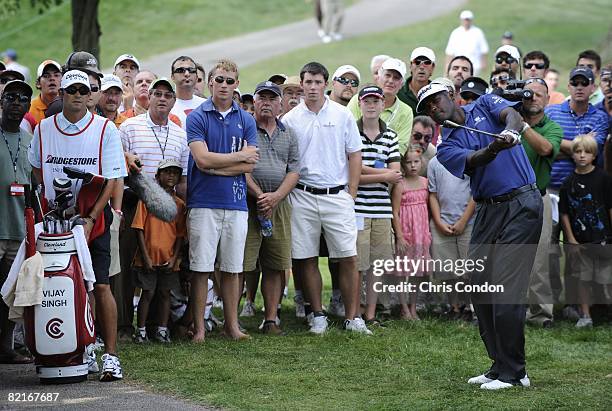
(584, 323)
(248, 309)
(326, 39)
(336, 36)
(336, 307)
(300, 312)
(500, 385)
(92, 364)
(162, 336)
(319, 325)
(99, 344)
(111, 368)
(309, 319)
(358, 325)
(320, 33)
(481, 379)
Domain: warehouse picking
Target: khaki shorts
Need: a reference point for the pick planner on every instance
(273, 252)
(8, 252)
(587, 266)
(374, 242)
(156, 279)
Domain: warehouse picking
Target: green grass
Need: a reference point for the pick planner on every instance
(143, 27)
(560, 28)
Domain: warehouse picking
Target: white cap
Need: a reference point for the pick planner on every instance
(347, 68)
(423, 51)
(428, 90)
(41, 68)
(466, 15)
(129, 57)
(395, 64)
(511, 50)
(110, 80)
(75, 77)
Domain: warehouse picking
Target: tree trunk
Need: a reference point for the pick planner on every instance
(85, 27)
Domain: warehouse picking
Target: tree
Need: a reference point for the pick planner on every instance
(85, 25)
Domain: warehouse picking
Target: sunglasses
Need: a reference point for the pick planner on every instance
(496, 80)
(507, 59)
(181, 70)
(536, 80)
(583, 83)
(168, 95)
(539, 66)
(11, 97)
(416, 136)
(94, 89)
(228, 80)
(426, 62)
(83, 90)
(344, 81)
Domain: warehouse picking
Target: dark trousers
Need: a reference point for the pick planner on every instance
(505, 237)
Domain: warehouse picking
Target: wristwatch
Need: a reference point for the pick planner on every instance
(525, 127)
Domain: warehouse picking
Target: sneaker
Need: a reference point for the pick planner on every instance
(99, 344)
(500, 385)
(336, 36)
(218, 303)
(320, 33)
(584, 322)
(211, 323)
(571, 313)
(309, 319)
(92, 364)
(300, 312)
(481, 379)
(358, 325)
(248, 309)
(336, 307)
(319, 325)
(141, 337)
(111, 368)
(162, 336)
(326, 39)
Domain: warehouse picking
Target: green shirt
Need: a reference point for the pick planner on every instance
(398, 118)
(407, 96)
(12, 226)
(542, 166)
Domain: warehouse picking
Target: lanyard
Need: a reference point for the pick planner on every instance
(16, 158)
(163, 149)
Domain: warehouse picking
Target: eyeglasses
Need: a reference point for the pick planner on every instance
(181, 70)
(507, 59)
(83, 90)
(539, 66)
(168, 95)
(344, 81)
(416, 136)
(94, 89)
(11, 97)
(426, 62)
(583, 83)
(228, 80)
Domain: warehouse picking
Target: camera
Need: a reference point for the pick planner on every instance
(515, 91)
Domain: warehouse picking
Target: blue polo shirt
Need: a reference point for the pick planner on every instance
(221, 135)
(574, 125)
(509, 170)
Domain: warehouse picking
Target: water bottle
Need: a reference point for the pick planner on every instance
(266, 225)
(380, 162)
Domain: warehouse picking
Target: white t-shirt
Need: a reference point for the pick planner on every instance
(183, 107)
(325, 139)
(470, 43)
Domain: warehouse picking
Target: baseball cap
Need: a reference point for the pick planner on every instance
(426, 92)
(474, 85)
(10, 53)
(12, 73)
(246, 97)
(371, 91)
(466, 15)
(423, 51)
(292, 81)
(448, 83)
(41, 68)
(17, 85)
(584, 72)
(83, 61)
(347, 68)
(395, 64)
(511, 50)
(74, 77)
(269, 86)
(162, 80)
(278, 78)
(110, 80)
(169, 162)
(507, 35)
(129, 57)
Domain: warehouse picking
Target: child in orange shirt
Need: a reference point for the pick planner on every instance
(156, 261)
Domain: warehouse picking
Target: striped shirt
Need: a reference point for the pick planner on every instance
(573, 125)
(373, 200)
(153, 143)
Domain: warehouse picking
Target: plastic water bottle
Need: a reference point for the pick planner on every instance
(379, 162)
(266, 225)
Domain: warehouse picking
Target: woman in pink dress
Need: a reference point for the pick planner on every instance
(411, 226)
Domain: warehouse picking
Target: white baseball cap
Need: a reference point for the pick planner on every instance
(511, 50)
(110, 80)
(466, 15)
(428, 90)
(75, 77)
(129, 57)
(423, 51)
(395, 64)
(41, 68)
(347, 68)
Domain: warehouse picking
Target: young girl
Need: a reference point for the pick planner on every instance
(411, 225)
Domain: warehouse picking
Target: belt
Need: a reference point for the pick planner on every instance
(318, 191)
(508, 196)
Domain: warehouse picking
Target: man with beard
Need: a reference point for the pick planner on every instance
(345, 82)
(292, 94)
(422, 65)
(458, 70)
(508, 58)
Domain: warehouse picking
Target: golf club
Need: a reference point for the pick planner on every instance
(452, 124)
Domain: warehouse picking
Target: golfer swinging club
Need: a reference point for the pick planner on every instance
(508, 220)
